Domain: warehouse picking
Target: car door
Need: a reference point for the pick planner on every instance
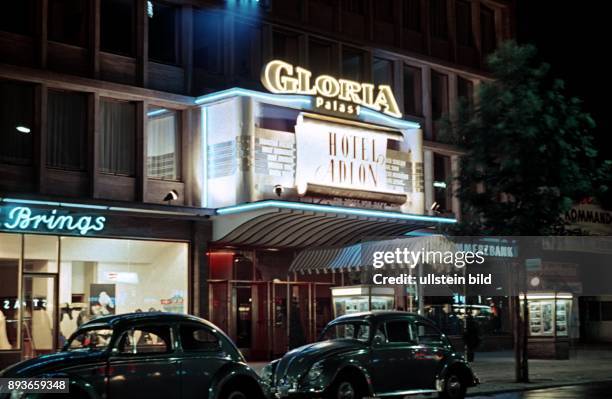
(143, 363)
(202, 357)
(431, 349)
(391, 357)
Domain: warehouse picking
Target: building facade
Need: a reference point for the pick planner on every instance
(132, 131)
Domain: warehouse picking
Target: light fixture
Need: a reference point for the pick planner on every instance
(23, 129)
(439, 184)
(150, 9)
(278, 190)
(535, 281)
(435, 206)
(171, 196)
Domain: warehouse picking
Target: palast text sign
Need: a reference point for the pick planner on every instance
(339, 95)
(23, 218)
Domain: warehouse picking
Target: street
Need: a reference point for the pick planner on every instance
(590, 391)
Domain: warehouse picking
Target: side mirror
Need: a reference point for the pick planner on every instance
(378, 340)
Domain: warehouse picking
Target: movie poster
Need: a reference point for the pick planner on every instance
(101, 300)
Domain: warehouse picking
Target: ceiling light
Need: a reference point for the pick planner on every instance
(23, 129)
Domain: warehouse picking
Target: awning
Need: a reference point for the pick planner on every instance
(357, 256)
(284, 224)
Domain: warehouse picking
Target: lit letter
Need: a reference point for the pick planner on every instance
(17, 216)
(304, 76)
(327, 86)
(349, 91)
(386, 102)
(277, 78)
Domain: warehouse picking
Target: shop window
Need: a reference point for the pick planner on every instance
(465, 90)
(382, 71)
(285, 46)
(247, 51)
(439, 95)
(40, 254)
(383, 10)
(464, 23)
(207, 41)
(163, 144)
(117, 25)
(412, 90)
(320, 58)
(412, 14)
(354, 6)
(442, 183)
(68, 21)
(16, 122)
(352, 64)
(594, 311)
(117, 145)
(438, 19)
(487, 30)
(606, 311)
(145, 341)
(18, 16)
(399, 331)
(67, 130)
(196, 339)
(10, 255)
(163, 32)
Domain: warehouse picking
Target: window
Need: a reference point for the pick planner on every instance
(354, 330)
(145, 340)
(93, 339)
(197, 338)
(465, 90)
(464, 24)
(352, 64)
(163, 32)
(207, 41)
(67, 130)
(117, 24)
(383, 10)
(399, 331)
(428, 334)
(247, 50)
(68, 21)
(382, 72)
(16, 122)
(412, 14)
(320, 58)
(285, 46)
(606, 311)
(487, 30)
(10, 254)
(439, 95)
(117, 146)
(163, 144)
(438, 19)
(442, 182)
(594, 311)
(18, 16)
(412, 90)
(354, 6)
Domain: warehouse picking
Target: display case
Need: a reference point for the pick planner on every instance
(549, 315)
(362, 298)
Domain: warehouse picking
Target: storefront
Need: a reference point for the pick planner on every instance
(64, 264)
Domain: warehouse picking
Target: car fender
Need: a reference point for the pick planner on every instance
(75, 382)
(227, 373)
(462, 367)
(352, 364)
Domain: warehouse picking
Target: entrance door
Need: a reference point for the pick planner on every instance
(244, 316)
(38, 304)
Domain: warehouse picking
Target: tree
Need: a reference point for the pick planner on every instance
(529, 155)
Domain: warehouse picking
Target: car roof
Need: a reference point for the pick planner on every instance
(128, 318)
(379, 315)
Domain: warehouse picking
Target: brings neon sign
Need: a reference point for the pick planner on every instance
(23, 218)
(340, 95)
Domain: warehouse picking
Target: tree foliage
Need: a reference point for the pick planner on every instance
(529, 150)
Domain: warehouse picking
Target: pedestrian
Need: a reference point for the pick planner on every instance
(471, 337)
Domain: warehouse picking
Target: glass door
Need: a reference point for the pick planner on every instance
(38, 306)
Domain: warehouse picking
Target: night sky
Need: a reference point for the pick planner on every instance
(574, 37)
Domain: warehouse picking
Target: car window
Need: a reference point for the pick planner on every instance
(428, 334)
(197, 338)
(349, 330)
(399, 331)
(93, 339)
(146, 340)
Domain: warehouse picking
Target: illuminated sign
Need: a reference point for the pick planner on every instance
(338, 95)
(28, 219)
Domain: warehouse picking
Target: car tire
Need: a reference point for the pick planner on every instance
(454, 387)
(345, 388)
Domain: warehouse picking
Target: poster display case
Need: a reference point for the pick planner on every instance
(549, 315)
(362, 298)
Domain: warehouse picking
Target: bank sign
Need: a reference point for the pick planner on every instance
(27, 219)
(342, 96)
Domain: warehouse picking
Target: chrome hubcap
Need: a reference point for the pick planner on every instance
(346, 391)
(453, 386)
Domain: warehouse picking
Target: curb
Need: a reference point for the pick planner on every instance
(536, 387)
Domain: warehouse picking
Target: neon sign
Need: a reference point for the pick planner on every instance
(339, 95)
(24, 218)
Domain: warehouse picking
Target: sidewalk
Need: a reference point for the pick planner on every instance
(496, 370)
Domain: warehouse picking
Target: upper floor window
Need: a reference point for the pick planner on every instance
(247, 50)
(412, 14)
(163, 32)
(285, 46)
(382, 71)
(412, 90)
(320, 57)
(117, 146)
(68, 21)
(67, 130)
(465, 90)
(18, 16)
(354, 6)
(163, 144)
(352, 64)
(383, 10)
(442, 183)
(487, 30)
(16, 122)
(438, 18)
(439, 94)
(464, 23)
(117, 25)
(207, 41)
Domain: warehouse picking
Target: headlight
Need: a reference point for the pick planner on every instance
(315, 371)
(267, 373)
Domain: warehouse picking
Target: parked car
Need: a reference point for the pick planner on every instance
(379, 353)
(147, 355)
